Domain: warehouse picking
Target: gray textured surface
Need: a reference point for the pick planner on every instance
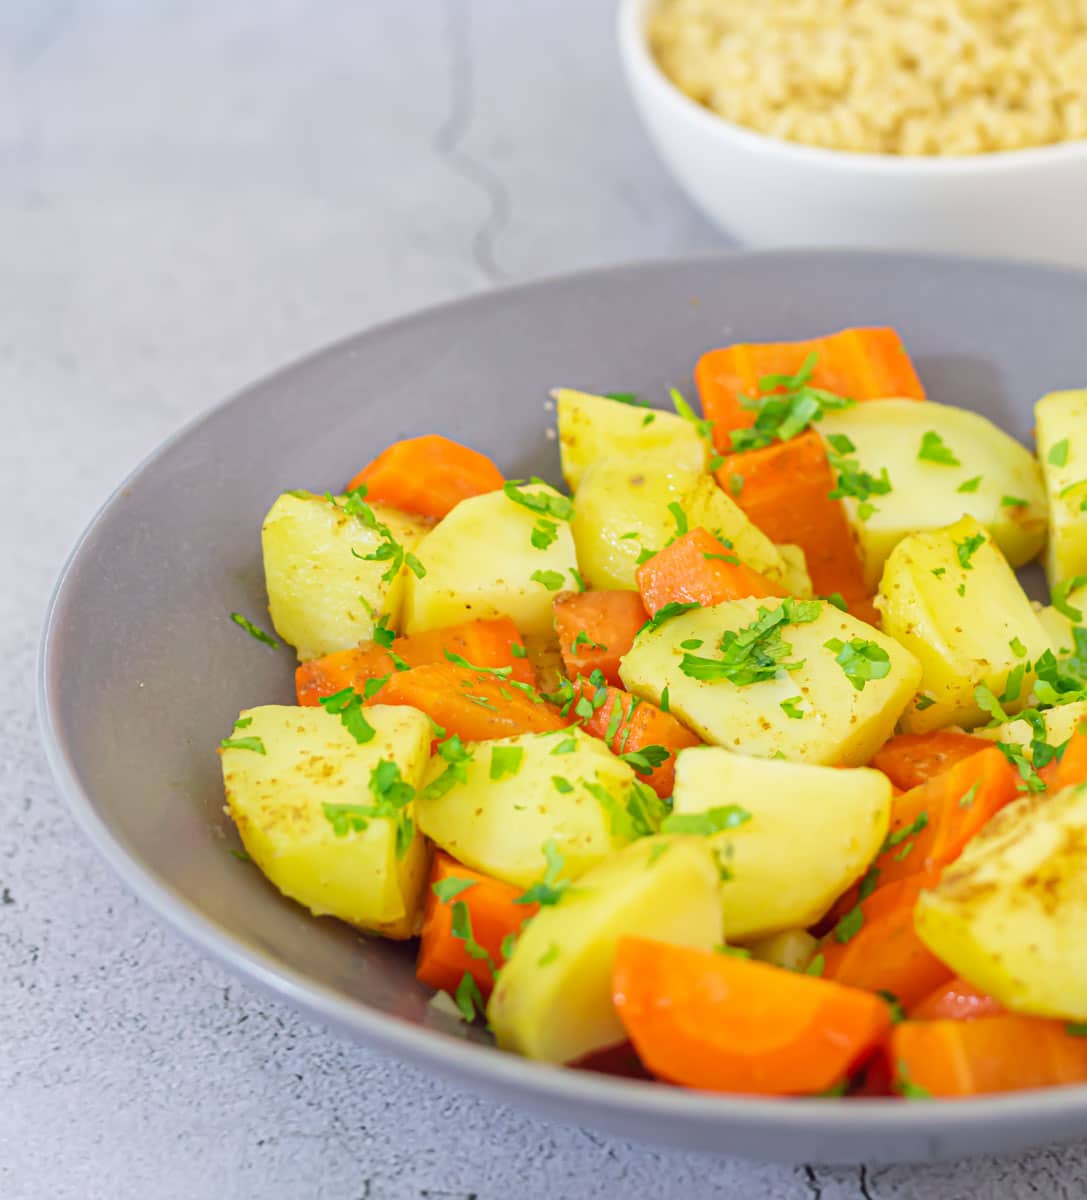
(192, 193)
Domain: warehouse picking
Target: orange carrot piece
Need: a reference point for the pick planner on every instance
(698, 569)
(729, 1024)
(931, 824)
(885, 953)
(785, 490)
(628, 725)
(992, 1054)
(596, 629)
(345, 668)
(494, 915)
(472, 704)
(956, 1000)
(482, 643)
(911, 759)
(862, 364)
(428, 475)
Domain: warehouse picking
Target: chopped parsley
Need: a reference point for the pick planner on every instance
(550, 888)
(1030, 780)
(967, 548)
(988, 703)
(939, 572)
(242, 723)
(246, 743)
(841, 444)
(372, 686)
(857, 483)
(518, 650)
(816, 966)
(1076, 1028)
(389, 550)
(1017, 648)
(383, 636)
(869, 882)
(692, 644)
(758, 651)
(392, 794)
(732, 951)
(970, 485)
(566, 746)
(1058, 453)
(705, 824)
(451, 887)
(453, 752)
(1014, 685)
(838, 600)
(347, 705)
(241, 855)
(506, 760)
(552, 580)
(703, 427)
(469, 999)
(849, 925)
(1013, 502)
(462, 931)
(791, 708)
(253, 630)
(907, 831)
(923, 701)
(583, 639)
(544, 532)
(646, 760)
(898, 1013)
(861, 661)
(673, 609)
(665, 701)
(1060, 598)
(967, 799)
(680, 518)
(579, 583)
(787, 406)
(934, 450)
(563, 786)
(631, 398)
(546, 504)
(549, 955)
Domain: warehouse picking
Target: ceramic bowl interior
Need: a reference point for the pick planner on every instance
(142, 672)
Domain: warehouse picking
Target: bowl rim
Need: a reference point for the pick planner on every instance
(541, 1086)
(643, 71)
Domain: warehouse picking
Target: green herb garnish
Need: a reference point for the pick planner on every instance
(934, 450)
(254, 631)
(861, 661)
(347, 705)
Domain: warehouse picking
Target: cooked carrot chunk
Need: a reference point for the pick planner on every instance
(698, 569)
(596, 629)
(428, 475)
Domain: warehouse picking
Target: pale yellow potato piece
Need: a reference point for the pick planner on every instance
(553, 999)
(593, 427)
(924, 495)
(321, 596)
(622, 509)
(1062, 417)
(277, 801)
(1009, 914)
(797, 581)
(961, 640)
(481, 563)
(842, 725)
(499, 826)
(812, 831)
(791, 949)
(1060, 723)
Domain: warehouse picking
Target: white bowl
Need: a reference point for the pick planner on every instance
(770, 192)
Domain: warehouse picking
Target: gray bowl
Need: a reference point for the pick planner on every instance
(142, 672)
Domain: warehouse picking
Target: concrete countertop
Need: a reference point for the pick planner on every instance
(192, 194)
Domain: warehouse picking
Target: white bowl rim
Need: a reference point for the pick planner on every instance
(640, 63)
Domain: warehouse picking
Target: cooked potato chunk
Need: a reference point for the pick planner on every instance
(553, 999)
(1009, 914)
(1061, 422)
(622, 511)
(817, 713)
(592, 427)
(951, 597)
(481, 562)
(811, 832)
(797, 581)
(322, 594)
(303, 794)
(792, 949)
(512, 795)
(942, 462)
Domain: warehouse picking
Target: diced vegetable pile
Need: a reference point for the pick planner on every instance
(751, 756)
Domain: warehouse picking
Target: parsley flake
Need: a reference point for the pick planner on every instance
(1017, 648)
(451, 887)
(967, 548)
(1013, 502)
(547, 504)
(816, 966)
(246, 743)
(787, 406)
(791, 708)
(934, 450)
(544, 532)
(1058, 453)
(506, 760)
(705, 824)
(552, 580)
(549, 955)
(673, 609)
(469, 999)
(563, 786)
(646, 760)
(347, 705)
(254, 631)
(756, 652)
(550, 888)
(970, 485)
(1060, 598)
(861, 661)
(906, 1088)
(665, 702)
(849, 925)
